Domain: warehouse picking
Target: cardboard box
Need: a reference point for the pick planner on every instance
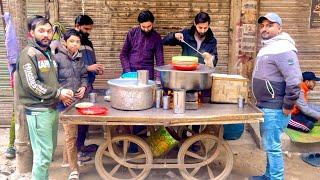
(228, 88)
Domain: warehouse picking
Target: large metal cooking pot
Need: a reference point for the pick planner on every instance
(126, 94)
(199, 79)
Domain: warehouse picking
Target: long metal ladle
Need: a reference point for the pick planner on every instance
(192, 47)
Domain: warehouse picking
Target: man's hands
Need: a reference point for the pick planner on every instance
(97, 68)
(80, 92)
(208, 59)
(286, 112)
(66, 96)
(178, 36)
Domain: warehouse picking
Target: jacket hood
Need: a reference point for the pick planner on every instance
(278, 44)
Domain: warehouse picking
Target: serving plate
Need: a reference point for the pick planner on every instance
(83, 105)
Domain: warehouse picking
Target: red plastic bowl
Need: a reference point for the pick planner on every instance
(93, 110)
(185, 67)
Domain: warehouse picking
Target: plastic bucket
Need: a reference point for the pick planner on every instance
(233, 131)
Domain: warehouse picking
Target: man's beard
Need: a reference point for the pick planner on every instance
(201, 35)
(84, 35)
(147, 33)
(43, 45)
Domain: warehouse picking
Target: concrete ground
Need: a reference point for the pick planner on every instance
(248, 161)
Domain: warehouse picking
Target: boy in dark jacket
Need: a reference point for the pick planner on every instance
(72, 74)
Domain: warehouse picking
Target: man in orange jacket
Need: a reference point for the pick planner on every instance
(305, 114)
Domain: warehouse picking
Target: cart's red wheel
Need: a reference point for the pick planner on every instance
(125, 164)
(205, 156)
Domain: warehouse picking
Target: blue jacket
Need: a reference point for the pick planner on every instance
(89, 57)
(208, 45)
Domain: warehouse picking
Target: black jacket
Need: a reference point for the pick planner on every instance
(208, 45)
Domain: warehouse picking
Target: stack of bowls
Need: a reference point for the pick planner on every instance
(185, 63)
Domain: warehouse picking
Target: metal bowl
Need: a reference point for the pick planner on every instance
(199, 79)
(126, 94)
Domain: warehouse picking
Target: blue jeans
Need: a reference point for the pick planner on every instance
(271, 129)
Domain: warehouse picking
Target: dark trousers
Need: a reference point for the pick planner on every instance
(301, 122)
(82, 134)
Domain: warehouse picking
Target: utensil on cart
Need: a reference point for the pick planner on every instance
(185, 63)
(179, 101)
(93, 97)
(192, 47)
(83, 105)
(126, 94)
(93, 110)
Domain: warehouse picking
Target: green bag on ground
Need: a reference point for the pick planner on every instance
(312, 137)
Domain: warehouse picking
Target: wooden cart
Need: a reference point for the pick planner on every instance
(213, 160)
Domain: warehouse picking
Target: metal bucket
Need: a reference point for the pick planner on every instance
(161, 142)
(126, 94)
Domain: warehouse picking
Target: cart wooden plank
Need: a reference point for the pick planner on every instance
(205, 115)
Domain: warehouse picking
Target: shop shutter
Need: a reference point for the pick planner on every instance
(295, 15)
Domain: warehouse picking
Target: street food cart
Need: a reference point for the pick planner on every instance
(170, 140)
(213, 161)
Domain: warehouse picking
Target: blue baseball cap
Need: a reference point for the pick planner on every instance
(309, 76)
(271, 16)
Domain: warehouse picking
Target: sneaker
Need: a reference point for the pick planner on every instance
(90, 148)
(84, 157)
(11, 153)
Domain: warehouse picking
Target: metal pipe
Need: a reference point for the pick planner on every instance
(192, 47)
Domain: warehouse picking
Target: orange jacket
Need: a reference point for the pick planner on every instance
(306, 90)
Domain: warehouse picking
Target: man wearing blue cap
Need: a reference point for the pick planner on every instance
(275, 85)
(305, 114)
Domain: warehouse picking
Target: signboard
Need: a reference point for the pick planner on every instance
(315, 14)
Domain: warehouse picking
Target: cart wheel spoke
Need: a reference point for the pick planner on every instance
(140, 156)
(132, 173)
(195, 170)
(125, 148)
(106, 153)
(210, 172)
(207, 146)
(214, 149)
(122, 164)
(115, 169)
(194, 155)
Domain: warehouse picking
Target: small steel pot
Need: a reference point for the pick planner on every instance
(127, 94)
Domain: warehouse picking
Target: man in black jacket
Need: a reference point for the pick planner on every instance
(84, 24)
(200, 37)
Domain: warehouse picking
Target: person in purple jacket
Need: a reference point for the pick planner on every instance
(143, 46)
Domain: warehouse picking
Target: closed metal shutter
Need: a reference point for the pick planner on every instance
(113, 19)
(295, 15)
(34, 7)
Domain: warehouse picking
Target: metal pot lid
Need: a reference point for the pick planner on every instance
(201, 69)
(129, 83)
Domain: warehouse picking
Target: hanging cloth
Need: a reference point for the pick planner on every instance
(12, 45)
